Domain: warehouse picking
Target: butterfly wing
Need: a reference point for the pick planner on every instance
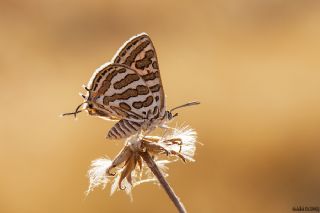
(124, 129)
(139, 54)
(121, 92)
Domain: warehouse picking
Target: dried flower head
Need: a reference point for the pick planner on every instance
(177, 143)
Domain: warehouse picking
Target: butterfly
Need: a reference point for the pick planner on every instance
(128, 89)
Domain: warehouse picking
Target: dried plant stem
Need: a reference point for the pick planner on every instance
(156, 171)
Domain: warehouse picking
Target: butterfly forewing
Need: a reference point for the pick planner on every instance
(139, 54)
(122, 92)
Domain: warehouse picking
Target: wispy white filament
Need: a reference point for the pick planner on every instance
(97, 173)
(188, 138)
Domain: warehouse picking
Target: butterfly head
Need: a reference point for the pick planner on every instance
(90, 108)
(88, 105)
(169, 115)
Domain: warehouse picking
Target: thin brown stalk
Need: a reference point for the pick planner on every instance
(156, 171)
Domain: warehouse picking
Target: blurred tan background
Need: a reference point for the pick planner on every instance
(254, 65)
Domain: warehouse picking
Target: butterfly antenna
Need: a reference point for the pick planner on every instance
(75, 112)
(185, 105)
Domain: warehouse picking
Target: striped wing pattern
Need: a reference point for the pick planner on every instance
(129, 88)
(139, 54)
(124, 128)
(122, 92)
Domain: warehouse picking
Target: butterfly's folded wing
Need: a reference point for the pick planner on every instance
(122, 92)
(139, 54)
(124, 129)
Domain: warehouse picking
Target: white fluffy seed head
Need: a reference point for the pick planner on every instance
(97, 173)
(98, 170)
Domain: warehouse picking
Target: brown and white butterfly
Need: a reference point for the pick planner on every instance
(129, 89)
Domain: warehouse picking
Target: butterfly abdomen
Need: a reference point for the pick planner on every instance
(123, 129)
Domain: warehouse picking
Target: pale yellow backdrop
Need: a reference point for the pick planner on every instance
(254, 65)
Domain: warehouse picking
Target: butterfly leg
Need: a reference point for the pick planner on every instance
(161, 148)
(175, 141)
(165, 128)
(147, 132)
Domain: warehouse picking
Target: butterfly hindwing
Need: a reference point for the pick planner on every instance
(123, 129)
(139, 54)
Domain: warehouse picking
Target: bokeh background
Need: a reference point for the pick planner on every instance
(253, 64)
